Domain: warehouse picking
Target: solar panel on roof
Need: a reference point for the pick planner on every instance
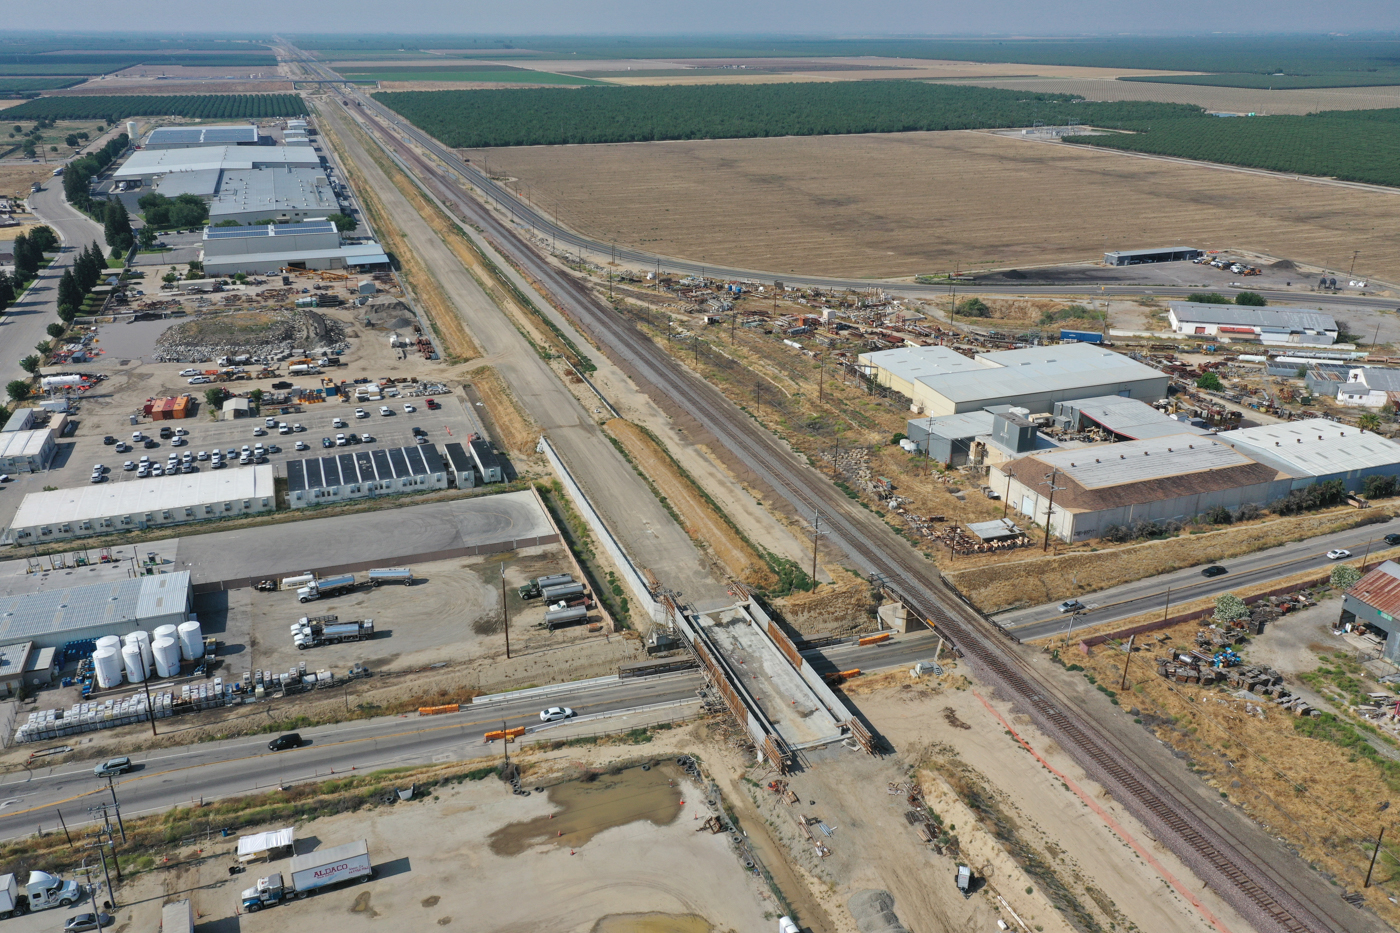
(381, 464)
(431, 458)
(326, 473)
(415, 461)
(296, 476)
(398, 462)
(349, 470)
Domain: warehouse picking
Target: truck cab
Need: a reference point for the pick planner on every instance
(267, 893)
(46, 890)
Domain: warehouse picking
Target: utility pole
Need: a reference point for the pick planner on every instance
(1366, 554)
(697, 351)
(505, 614)
(1123, 684)
(758, 397)
(1167, 605)
(1050, 509)
(1006, 499)
(816, 536)
(1376, 852)
(821, 379)
(1354, 254)
(150, 711)
(116, 806)
(111, 896)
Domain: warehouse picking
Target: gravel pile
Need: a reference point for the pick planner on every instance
(264, 335)
(874, 912)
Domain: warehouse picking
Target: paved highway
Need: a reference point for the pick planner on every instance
(22, 325)
(1153, 594)
(173, 776)
(527, 215)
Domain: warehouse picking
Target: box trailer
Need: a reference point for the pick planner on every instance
(310, 873)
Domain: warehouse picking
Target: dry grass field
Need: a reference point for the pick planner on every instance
(900, 204)
(1228, 99)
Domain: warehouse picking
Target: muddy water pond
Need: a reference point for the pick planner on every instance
(652, 923)
(586, 807)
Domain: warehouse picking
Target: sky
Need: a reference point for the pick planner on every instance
(717, 17)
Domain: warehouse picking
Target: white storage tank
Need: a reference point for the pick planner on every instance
(135, 664)
(143, 641)
(164, 631)
(107, 664)
(191, 641)
(113, 642)
(167, 655)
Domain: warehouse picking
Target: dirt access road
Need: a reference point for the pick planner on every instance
(633, 513)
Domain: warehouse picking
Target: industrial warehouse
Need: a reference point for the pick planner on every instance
(941, 381)
(104, 507)
(363, 474)
(197, 168)
(50, 618)
(187, 137)
(271, 248)
(1267, 325)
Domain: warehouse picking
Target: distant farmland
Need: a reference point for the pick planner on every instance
(910, 203)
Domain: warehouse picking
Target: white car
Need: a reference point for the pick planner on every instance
(270, 422)
(340, 440)
(190, 372)
(182, 432)
(202, 455)
(1338, 554)
(301, 445)
(409, 408)
(385, 410)
(361, 413)
(259, 431)
(129, 465)
(143, 471)
(4, 477)
(199, 380)
(556, 714)
(157, 469)
(297, 427)
(98, 468)
(339, 422)
(178, 441)
(284, 428)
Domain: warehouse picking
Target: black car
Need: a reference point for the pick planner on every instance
(419, 432)
(151, 444)
(109, 440)
(1392, 539)
(283, 742)
(1214, 570)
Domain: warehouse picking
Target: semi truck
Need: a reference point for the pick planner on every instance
(533, 589)
(177, 917)
(330, 586)
(310, 873)
(301, 579)
(382, 575)
(310, 633)
(41, 892)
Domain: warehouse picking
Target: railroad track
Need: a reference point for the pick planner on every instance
(1245, 878)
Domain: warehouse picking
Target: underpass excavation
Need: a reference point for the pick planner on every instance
(1263, 881)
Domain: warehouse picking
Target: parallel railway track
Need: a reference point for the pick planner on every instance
(1245, 878)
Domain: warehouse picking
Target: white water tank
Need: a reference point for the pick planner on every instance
(131, 132)
(143, 641)
(113, 642)
(135, 664)
(164, 631)
(107, 664)
(167, 654)
(191, 641)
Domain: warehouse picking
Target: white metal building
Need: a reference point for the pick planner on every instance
(51, 617)
(1317, 449)
(362, 474)
(1159, 479)
(268, 249)
(188, 137)
(26, 451)
(272, 195)
(1034, 378)
(148, 164)
(131, 504)
(1267, 325)
(1369, 386)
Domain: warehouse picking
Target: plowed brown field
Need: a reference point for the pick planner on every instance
(907, 203)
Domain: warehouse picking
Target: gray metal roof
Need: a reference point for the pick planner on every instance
(356, 254)
(1381, 380)
(1128, 416)
(202, 136)
(54, 612)
(274, 191)
(909, 363)
(1138, 461)
(1316, 447)
(269, 230)
(14, 659)
(159, 161)
(201, 183)
(1274, 319)
(1153, 252)
(1036, 370)
(136, 496)
(957, 427)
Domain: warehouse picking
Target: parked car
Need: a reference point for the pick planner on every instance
(341, 441)
(290, 740)
(409, 408)
(178, 441)
(301, 445)
(361, 413)
(151, 444)
(385, 410)
(109, 440)
(1071, 605)
(1214, 570)
(366, 438)
(259, 431)
(190, 372)
(1338, 554)
(122, 447)
(270, 422)
(182, 432)
(199, 380)
(327, 442)
(202, 455)
(432, 404)
(556, 714)
(298, 428)
(84, 922)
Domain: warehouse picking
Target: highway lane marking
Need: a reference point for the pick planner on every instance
(1126, 602)
(374, 738)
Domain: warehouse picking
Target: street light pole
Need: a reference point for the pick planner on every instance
(505, 610)
(116, 806)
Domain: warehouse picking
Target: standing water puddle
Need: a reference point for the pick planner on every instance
(652, 923)
(587, 807)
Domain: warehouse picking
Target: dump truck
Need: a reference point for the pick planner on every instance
(382, 575)
(41, 892)
(330, 586)
(309, 873)
(310, 634)
(533, 589)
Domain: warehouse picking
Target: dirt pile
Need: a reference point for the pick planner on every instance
(874, 912)
(265, 335)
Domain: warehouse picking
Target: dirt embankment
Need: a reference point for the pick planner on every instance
(701, 520)
(514, 430)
